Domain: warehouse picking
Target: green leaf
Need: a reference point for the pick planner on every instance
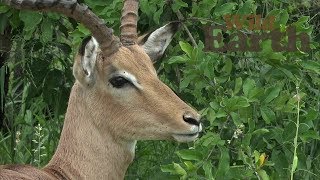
(53, 16)
(30, 19)
(212, 115)
(289, 131)
(46, 30)
(190, 166)
(83, 30)
(263, 174)
(247, 8)
(177, 5)
(145, 7)
(3, 23)
(190, 154)
(248, 85)
(207, 167)
(275, 13)
(238, 85)
(273, 92)
(224, 9)
(178, 169)
(186, 47)
(259, 132)
(275, 56)
(236, 102)
(301, 23)
(283, 17)
(158, 13)
(236, 118)
(227, 68)
(311, 115)
(181, 3)
(177, 60)
(267, 114)
(309, 135)
(204, 8)
(287, 73)
(95, 2)
(15, 21)
(256, 156)
(168, 168)
(210, 139)
(311, 66)
(185, 82)
(4, 9)
(195, 9)
(224, 160)
(214, 105)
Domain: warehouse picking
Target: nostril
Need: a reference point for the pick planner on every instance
(191, 120)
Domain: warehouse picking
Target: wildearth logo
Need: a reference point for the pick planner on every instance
(260, 30)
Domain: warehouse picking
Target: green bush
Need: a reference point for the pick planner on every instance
(260, 109)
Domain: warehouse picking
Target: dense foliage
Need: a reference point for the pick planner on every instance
(260, 109)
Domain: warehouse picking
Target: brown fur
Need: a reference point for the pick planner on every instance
(102, 123)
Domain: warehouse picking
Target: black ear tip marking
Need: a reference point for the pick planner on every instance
(83, 45)
(174, 26)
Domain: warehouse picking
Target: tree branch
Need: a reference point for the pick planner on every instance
(181, 18)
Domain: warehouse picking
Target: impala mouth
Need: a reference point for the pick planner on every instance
(187, 137)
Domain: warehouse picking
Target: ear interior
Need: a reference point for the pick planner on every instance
(84, 67)
(155, 43)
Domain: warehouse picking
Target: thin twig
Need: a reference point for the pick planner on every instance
(181, 18)
(295, 158)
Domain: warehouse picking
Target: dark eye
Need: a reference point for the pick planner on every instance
(119, 82)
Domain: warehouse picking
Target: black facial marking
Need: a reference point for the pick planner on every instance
(119, 82)
(83, 45)
(175, 25)
(192, 121)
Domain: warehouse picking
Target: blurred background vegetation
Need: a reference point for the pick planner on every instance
(252, 103)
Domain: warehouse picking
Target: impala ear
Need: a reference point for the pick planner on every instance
(84, 67)
(155, 43)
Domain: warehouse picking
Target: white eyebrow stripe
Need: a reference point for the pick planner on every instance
(130, 77)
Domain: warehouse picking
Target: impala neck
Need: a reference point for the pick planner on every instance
(84, 152)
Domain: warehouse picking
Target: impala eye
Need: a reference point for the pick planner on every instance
(119, 82)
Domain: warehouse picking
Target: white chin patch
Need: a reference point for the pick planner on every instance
(195, 129)
(194, 133)
(186, 137)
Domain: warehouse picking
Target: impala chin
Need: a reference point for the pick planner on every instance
(189, 136)
(185, 137)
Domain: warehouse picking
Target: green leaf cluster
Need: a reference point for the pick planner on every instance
(249, 101)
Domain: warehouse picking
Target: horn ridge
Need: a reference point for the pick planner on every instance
(129, 19)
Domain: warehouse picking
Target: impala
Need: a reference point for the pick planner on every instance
(116, 100)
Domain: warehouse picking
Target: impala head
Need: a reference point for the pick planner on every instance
(118, 82)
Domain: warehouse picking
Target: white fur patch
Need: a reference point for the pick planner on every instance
(195, 129)
(90, 56)
(158, 41)
(132, 147)
(130, 78)
(187, 137)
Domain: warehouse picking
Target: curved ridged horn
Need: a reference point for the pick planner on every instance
(129, 21)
